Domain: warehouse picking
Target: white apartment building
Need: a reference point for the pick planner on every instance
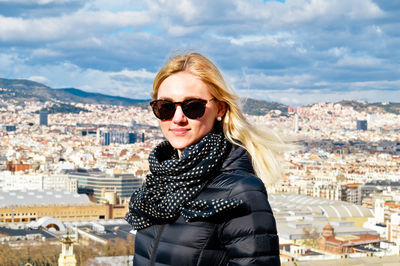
(32, 181)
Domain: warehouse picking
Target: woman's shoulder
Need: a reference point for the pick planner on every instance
(240, 181)
(237, 173)
(237, 159)
(228, 184)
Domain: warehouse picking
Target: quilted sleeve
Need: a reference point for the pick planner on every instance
(251, 238)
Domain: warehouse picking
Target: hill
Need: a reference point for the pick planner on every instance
(378, 107)
(25, 90)
(260, 107)
(63, 108)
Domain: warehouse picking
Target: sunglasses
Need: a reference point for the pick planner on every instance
(192, 108)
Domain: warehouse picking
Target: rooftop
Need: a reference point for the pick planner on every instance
(301, 205)
(40, 197)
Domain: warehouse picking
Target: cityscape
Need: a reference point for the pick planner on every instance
(76, 129)
(66, 179)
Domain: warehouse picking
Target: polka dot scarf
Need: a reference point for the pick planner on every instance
(174, 183)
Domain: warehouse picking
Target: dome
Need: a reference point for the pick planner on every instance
(328, 227)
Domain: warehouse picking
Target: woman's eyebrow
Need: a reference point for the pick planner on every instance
(184, 99)
(165, 98)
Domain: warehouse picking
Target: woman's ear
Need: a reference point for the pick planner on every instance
(221, 108)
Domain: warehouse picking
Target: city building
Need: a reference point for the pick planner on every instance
(336, 166)
(19, 180)
(43, 118)
(28, 206)
(95, 182)
(3, 163)
(17, 234)
(332, 243)
(8, 128)
(67, 257)
(301, 219)
(362, 125)
(19, 166)
(119, 137)
(393, 230)
(351, 193)
(103, 232)
(386, 220)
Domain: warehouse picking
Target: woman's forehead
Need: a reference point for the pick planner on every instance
(181, 86)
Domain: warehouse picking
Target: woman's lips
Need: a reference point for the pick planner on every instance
(179, 131)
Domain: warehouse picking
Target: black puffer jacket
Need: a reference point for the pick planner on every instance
(246, 236)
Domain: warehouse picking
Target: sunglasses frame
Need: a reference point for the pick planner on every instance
(183, 105)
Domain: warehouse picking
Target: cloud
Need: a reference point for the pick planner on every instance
(299, 11)
(388, 85)
(39, 2)
(79, 24)
(275, 81)
(116, 47)
(39, 79)
(365, 61)
(132, 75)
(126, 83)
(44, 52)
(38, 8)
(278, 39)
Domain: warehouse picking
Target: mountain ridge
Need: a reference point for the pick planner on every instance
(23, 89)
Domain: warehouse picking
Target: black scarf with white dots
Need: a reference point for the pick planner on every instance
(174, 183)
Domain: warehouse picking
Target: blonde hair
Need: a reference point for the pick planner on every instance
(263, 147)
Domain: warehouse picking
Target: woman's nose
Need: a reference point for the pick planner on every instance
(179, 116)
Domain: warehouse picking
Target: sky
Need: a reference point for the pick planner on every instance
(295, 52)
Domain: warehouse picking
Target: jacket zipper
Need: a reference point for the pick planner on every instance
(156, 242)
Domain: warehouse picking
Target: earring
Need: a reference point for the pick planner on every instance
(219, 118)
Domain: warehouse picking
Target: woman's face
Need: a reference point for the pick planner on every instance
(180, 130)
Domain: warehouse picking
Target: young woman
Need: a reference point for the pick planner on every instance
(203, 203)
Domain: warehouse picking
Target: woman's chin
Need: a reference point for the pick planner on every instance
(180, 144)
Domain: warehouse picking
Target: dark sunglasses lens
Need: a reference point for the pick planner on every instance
(194, 109)
(164, 110)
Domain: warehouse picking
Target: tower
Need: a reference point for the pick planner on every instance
(362, 125)
(105, 138)
(132, 137)
(296, 123)
(43, 117)
(328, 231)
(67, 257)
(380, 211)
